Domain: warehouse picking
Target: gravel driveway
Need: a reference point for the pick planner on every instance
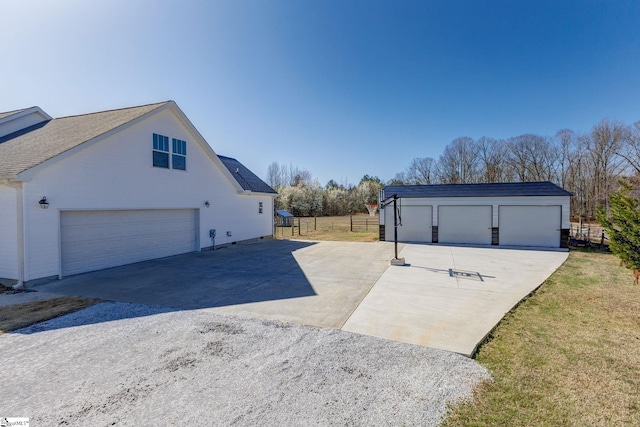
(130, 364)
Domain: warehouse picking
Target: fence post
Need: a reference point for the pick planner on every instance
(351, 221)
(293, 226)
(315, 223)
(299, 226)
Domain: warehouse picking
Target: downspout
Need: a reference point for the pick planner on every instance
(20, 230)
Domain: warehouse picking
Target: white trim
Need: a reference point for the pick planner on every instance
(26, 112)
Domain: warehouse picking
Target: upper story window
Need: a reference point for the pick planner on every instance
(179, 157)
(167, 156)
(160, 151)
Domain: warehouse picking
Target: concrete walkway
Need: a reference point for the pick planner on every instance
(448, 297)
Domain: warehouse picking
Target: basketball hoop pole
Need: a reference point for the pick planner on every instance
(384, 204)
(395, 225)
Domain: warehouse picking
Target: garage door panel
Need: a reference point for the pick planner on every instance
(416, 224)
(93, 240)
(530, 225)
(465, 224)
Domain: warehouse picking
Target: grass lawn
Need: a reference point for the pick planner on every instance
(334, 228)
(567, 356)
(18, 316)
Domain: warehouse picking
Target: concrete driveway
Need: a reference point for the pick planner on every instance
(446, 297)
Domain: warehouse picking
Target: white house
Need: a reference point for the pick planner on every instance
(508, 214)
(88, 192)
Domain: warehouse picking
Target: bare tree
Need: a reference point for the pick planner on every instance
(459, 162)
(532, 157)
(566, 142)
(631, 150)
(606, 142)
(421, 171)
(275, 176)
(493, 156)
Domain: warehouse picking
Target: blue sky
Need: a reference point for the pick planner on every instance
(341, 88)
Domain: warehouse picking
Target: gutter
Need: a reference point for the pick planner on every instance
(20, 227)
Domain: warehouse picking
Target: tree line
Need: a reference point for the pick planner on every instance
(589, 165)
(302, 195)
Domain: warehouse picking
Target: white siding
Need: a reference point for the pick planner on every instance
(117, 173)
(8, 233)
(561, 202)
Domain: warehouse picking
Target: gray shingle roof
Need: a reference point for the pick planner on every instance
(507, 189)
(27, 150)
(247, 179)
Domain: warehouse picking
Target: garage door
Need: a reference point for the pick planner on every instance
(93, 240)
(416, 224)
(530, 226)
(464, 224)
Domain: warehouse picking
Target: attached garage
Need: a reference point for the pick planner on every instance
(93, 240)
(534, 214)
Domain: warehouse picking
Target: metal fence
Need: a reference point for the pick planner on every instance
(301, 226)
(588, 234)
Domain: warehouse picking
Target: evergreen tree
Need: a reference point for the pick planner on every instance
(623, 226)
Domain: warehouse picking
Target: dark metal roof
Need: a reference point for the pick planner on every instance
(504, 189)
(247, 179)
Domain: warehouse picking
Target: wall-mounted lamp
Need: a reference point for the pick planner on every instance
(207, 204)
(44, 204)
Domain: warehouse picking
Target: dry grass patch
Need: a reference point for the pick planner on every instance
(13, 317)
(567, 356)
(331, 228)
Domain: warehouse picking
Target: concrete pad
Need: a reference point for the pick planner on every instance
(450, 297)
(305, 282)
(340, 273)
(446, 297)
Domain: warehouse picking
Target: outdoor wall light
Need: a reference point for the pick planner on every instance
(44, 204)
(207, 204)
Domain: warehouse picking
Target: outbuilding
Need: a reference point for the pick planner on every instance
(283, 218)
(93, 191)
(534, 214)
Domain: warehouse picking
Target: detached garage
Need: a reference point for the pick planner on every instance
(534, 214)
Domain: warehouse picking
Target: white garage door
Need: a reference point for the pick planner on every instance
(530, 226)
(464, 224)
(416, 224)
(93, 240)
